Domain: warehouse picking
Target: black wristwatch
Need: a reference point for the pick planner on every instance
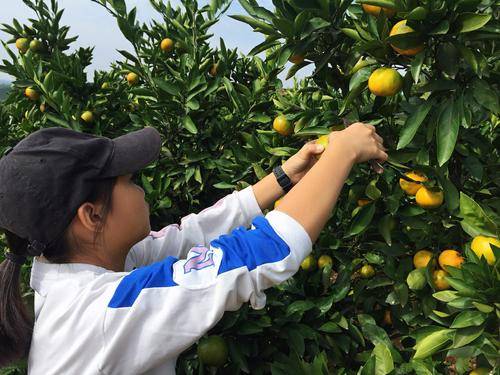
(283, 179)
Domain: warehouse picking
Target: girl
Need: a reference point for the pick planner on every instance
(114, 297)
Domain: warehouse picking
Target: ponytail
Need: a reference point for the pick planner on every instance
(16, 324)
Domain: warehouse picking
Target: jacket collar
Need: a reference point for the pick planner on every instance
(44, 273)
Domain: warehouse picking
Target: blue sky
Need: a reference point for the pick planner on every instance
(95, 27)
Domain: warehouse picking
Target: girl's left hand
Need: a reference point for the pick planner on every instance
(300, 163)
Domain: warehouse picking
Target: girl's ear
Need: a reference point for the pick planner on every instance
(89, 215)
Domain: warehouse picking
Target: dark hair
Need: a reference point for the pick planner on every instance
(16, 323)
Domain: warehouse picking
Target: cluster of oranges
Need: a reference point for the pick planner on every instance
(425, 197)
(387, 81)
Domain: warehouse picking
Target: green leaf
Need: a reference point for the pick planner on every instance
(385, 227)
(467, 22)
(483, 308)
(465, 336)
(362, 220)
(468, 318)
(485, 96)
(168, 87)
(190, 126)
(372, 191)
(330, 327)
(383, 359)
(300, 307)
(432, 343)
(475, 221)
(416, 65)
(445, 295)
(413, 123)
(447, 131)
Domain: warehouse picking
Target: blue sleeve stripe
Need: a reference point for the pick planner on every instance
(251, 248)
(156, 275)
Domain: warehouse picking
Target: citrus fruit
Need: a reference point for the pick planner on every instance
(22, 44)
(481, 246)
(213, 70)
(132, 78)
(43, 107)
(416, 279)
(375, 10)
(276, 204)
(213, 351)
(401, 28)
(31, 93)
(385, 82)
(323, 260)
(105, 86)
(438, 276)
(363, 202)
(323, 140)
(282, 125)
(36, 45)
(450, 258)
(480, 371)
(297, 59)
(422, 258)
(167, 45)
(429, 197)
(87, 116)
(367, 271)
(411, 188)
(309, 263)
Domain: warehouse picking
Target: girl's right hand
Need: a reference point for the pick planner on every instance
(361, 141)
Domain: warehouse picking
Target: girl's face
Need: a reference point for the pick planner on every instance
(128, 221)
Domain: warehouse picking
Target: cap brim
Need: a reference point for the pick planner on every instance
(133, 152)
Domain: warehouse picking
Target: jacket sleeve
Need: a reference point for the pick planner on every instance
(234, 210)
(158, 311)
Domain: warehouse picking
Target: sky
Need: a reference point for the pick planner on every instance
(94, 26)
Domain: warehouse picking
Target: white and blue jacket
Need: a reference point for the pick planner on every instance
(176, 286)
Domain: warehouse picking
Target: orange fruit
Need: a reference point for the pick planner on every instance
(22, 44)
(282, 125)
(309, 263)
(367, 271)
(167, 45)
(297, 59)
(429, 198)
(323, 260)
(385, 82)
(411, 188)
(323, 140)
(422, 258)
(450, 258)
(401, 28)
(213, 351)
(276, 204)
(36, 45)
(481, 246)
(132, 78)
(31, 93)
(363, 202)
(438, 276)
(480, 371)
(375, 10)
(87, 116)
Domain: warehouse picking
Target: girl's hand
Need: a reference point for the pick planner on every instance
(361, 142)
(300, 163)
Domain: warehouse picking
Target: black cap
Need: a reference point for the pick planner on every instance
(51, 172)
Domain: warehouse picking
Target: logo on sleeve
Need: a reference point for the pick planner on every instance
(202, 258)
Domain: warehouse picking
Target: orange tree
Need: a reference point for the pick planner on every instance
(376, 307)
(426, 74)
